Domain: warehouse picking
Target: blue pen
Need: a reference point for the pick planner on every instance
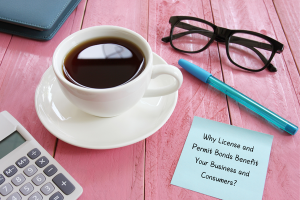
(270, 116)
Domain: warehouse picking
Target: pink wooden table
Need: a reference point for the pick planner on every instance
(144, 170)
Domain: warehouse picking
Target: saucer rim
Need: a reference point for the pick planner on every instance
(117, 145)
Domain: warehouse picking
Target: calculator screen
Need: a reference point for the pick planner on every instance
(10, 143)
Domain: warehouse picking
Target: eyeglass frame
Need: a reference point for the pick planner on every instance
(223, 35)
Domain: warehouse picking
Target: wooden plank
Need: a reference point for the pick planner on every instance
(105, 174)
(116, 173)
(195, 98)
(289, 15)
(273, 90)
(23, 65)
(282, 36)
(4, 42)
(284, 15)
(129, 14)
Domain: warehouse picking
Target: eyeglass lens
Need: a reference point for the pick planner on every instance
(190, 35)
(247, 50)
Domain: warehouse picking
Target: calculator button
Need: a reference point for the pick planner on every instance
(39, 179)
(56, 196)
(10, 171)
(34, 153)
(47, 188)
(18, 180)
(50, 170)
(22, 162)
(6, 189)
(2, 179)
(42, 162)
(29, 171)
(35, 196)
(14, 196)
(63, 184)
(26, 189)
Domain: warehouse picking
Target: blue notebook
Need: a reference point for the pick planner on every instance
(35, 19)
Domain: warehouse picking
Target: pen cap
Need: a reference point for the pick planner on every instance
(195, 70)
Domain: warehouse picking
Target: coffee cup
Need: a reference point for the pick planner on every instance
(112, 101)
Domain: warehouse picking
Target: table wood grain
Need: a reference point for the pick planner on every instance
(144, 170)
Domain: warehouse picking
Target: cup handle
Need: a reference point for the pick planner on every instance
(173, 87)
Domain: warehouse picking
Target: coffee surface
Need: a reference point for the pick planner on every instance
(103, 63)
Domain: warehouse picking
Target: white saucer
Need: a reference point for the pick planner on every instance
(68, 123)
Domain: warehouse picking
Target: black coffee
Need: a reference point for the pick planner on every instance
(103, 63)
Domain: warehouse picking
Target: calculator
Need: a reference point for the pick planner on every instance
(27, 170)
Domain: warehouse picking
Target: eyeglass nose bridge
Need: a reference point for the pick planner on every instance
(222, 34)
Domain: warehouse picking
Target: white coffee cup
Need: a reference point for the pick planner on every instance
(113, 101)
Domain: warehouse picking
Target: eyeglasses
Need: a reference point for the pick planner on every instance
(246, 49)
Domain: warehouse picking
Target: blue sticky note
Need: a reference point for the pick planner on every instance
(223, 161)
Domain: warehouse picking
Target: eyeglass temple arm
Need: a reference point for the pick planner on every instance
(233, 39)
(178, 35)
